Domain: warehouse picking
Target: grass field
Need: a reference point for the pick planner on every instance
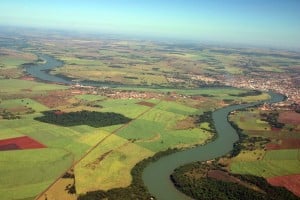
(89, 97)
(14, 86)
(154, 127)
(153, 130)
(250, 121)
(25, 173)
(260, 162)
(267, 168)
(25, 102)
(127, 107)
(109, 165)
(156, 130)
(13, 59)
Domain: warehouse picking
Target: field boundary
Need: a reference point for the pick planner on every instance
(93, 148)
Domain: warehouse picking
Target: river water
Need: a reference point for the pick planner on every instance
(41, 70)
(156, 175)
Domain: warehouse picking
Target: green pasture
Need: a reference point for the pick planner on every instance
(24, 192)
(25, 172)
(219, 92)
(90, 97)
(267, 168)
(82, 129)
(178, 138)
(109, 165)
(12, 103)
(249, 121)
(6, 133)
(80, 61)
(63, 138)
(283, 154)
(112, 128)
(177, 108)
(246, 156)
(12, 62)
(126, 107)
(156, 131)
(13, 86)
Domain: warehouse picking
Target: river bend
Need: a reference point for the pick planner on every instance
(156, 175)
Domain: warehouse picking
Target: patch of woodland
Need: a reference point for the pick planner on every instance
(84, 117)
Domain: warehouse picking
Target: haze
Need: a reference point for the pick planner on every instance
(270, 22)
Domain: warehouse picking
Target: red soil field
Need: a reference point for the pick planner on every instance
(23, 142)
(290, 143)
(289, 117)
(54, 98)
(222, 176)
(290, 182)
(144, 103)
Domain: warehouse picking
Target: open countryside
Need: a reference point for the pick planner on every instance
(149, 100)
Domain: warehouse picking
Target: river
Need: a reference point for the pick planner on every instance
(156, 175)
(41, 70)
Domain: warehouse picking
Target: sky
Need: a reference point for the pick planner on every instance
(273, 23)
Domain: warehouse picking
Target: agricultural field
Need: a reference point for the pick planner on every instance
(158, 121)
(154, 127)
(11, 62)
(279, 157)
(64, 139)
(266, 156)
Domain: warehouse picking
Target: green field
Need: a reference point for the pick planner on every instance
(89, 97)
(155, 128)
(25, 173)
(175, 74)
(126, 107)
(250, 121)
(25, 102)
(109, 165)
(41, 166)
(152, 129)
(258, 161)
(267, 168)
(151, 132)
(14, 86)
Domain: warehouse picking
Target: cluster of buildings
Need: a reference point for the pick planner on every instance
(278, 82)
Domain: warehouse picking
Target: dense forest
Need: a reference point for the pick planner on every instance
(192, 179)
(91, 118)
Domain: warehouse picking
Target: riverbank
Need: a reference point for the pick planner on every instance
(216, 179)
(156, 175)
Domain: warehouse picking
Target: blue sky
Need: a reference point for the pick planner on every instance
(257, 22)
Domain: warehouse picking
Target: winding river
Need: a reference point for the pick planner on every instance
(156, 175)
(41, 70)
